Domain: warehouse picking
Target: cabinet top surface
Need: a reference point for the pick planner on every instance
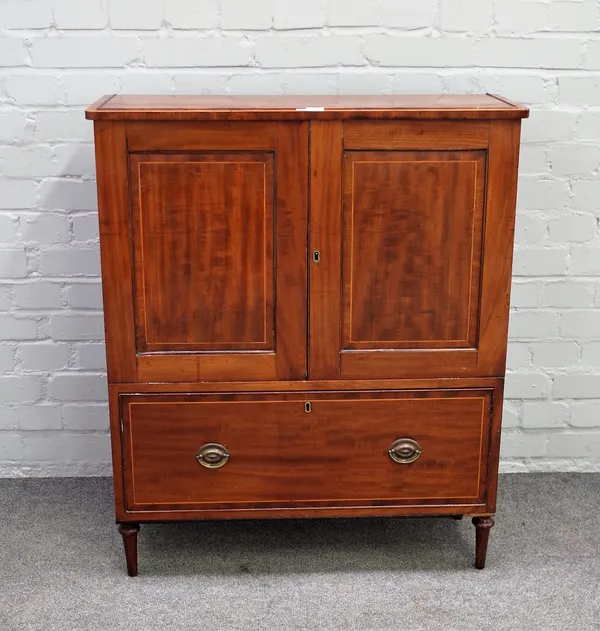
(176, 107)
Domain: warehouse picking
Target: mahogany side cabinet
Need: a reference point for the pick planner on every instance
(306, 304)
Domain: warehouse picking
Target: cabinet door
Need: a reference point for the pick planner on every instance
(216, 233)
(418, 282)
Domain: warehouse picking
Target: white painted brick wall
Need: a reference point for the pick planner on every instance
(57, 56)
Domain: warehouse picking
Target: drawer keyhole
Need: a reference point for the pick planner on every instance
(316, 256)
(308, 407)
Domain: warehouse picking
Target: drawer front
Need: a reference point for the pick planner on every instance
(305, 449)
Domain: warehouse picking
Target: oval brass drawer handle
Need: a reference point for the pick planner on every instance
(404, 450)
(212, 455)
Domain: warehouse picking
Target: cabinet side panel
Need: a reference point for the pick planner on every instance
(115, 230)
(117, 451)
(498, 245)
(494, 445)
(325, 227)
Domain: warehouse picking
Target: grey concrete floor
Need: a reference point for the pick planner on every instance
(62, 566)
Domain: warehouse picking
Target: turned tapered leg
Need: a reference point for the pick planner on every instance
(129, 532)
(483, 525)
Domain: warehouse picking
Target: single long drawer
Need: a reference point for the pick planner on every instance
(188, 452)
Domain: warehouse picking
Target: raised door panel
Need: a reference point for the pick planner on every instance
(204, 251)
(412, 237)
(417, 283)
(214, 224)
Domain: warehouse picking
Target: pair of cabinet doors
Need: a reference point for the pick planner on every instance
(306, 250)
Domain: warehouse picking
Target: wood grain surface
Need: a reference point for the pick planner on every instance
(281, 454)
(501, 199)
(115, 249)
(420, 135)
(219, 251)
(305, 280)
(412, 249)
(324, 238)
(199, 107)
(419, 239)
(204, 251)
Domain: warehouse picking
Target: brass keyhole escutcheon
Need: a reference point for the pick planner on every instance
(404, 450)
(212, 455)
(316, 256)
(308, 407)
